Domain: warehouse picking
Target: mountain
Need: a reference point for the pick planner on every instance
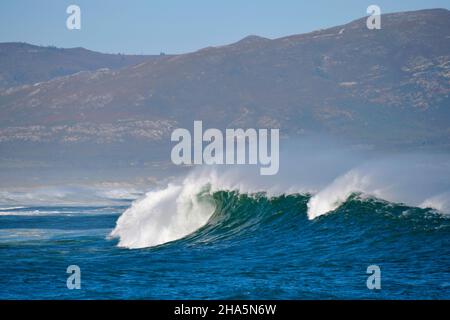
(388, 88)
(22, 63)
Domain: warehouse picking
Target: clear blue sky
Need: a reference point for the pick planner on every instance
(176, 26)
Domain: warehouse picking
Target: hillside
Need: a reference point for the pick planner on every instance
(22, 63)
(388, 88)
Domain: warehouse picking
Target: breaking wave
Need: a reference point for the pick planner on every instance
(235, 200)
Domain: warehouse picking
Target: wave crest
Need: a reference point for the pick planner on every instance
(165, 215)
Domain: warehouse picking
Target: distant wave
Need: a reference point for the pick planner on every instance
(18, 198)
(10, 208)
(59, 211)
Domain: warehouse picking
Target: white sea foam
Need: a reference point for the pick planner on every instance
(439, 202)
(24, 234)
(165, 215)
(332, 196)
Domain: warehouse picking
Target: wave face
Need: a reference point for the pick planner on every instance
(256, 215)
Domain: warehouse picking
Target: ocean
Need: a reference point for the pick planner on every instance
(248, 246)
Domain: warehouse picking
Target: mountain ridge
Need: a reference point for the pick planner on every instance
(387, 87)
(50, 62)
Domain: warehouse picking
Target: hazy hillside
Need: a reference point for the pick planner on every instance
(387, 87)
(22, 63)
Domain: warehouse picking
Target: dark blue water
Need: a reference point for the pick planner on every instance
(252, 248)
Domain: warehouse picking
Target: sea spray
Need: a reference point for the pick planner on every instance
(165, 215)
